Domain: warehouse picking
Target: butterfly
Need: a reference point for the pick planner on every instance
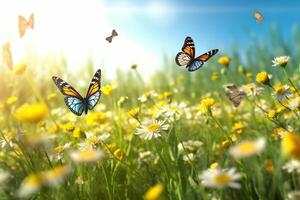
(75, 102)
(113, 34)
(7, 56)
(187, 56)
(234, 94)
(24, 24)
(258, 16)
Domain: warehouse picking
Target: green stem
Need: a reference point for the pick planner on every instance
(291, 82)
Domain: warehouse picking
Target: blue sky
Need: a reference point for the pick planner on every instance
(212, 24)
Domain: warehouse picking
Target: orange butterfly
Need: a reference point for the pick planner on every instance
(7, 56)
(24, 24)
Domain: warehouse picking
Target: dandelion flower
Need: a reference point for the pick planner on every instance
(220, 178)
(151, 129)
(290, 145)
(247, 148)
(107, 89)
(134, 112)
(89, 155)
(224, 60)
(97, 118)
(263, 77)
(281, 61)
(119, 154)
(238, 127)
(29, 186)
(154, 192)
(206, 105)
(271, 114)
(31, 113)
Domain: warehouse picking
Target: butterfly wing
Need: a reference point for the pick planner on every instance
(189, 47)
(235, 95)
(75, 104)
(182, 59)
(109, 39)
(22, 25)
(93, 94)
(31, 21)
(206, 56)
(194, 65)
(7, 56)
(258, 16)
(114, 33)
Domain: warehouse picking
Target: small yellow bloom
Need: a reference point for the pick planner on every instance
(119, 154)
(11, 100)
(134, 112)
(20, 68)
(206, 104)
(31, 113)
(214, 166)
(272, 114)
(107, 89)
(224, 60)
(69, 127)
(269, 166)
(29, 186)
(154, 192)
(290, 145)
(94, 119)
(238, 127)
(225, 144)
(262, 77)
(78, 133)
(214, 76)
(55, 176)
(51, 96)
(249, 75)
(53, 129)
(111, 147)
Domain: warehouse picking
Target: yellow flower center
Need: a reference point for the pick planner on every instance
(247, 147)
(222, 179)
(153, 128)
(92, 140)
(87, 155)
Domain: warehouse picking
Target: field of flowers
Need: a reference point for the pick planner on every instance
(174, 135)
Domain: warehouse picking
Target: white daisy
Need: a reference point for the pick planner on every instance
(282, 92)
(220, 178)
(280, 61)
(247, 148)
(147, 96)
(294, 103)
(190, 145)
(88, 155)
(90, 142)
(292, 166)
(152, 129)
(189, 157)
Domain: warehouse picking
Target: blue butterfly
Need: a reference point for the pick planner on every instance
(75, 102)
(187, 56)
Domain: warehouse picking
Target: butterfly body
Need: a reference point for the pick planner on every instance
(75, 102)
(187, 56)
(113, 34)
(258, 16)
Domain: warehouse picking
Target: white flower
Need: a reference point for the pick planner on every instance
(282, 92)
(147, 96)
(293, 195)
(247, 148)
(90, 142)
(30, 185)
(280, 61)
(4, 176)
(220, 178)
(173, 111)
(190, 145)
(251, 89)
(146, 156)
(88, 155)
(294, 103)
(56, 176)
(104, 137)
(189, 157)
(292, 166)
(151, 129)
(59, 150)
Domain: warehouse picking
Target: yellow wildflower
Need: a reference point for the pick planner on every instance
(107, 89)
(31, 113)
(20, 68)
(238, 127)
(11, 100)
(214, 166)
(96, 118)
(262, 77)
(206, 104)
(154, 192)
(119, 154)
(272, 114)
(290, 145)
(214, 76)
(78, 133)
(134, 112)
(224, 60)
(69, 127)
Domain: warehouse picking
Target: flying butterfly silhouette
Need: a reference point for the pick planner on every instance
(75, 102)
(7, 56)
(234, 94)
(113, 34)
(258, 16)
(187, 56)
(25, 24)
